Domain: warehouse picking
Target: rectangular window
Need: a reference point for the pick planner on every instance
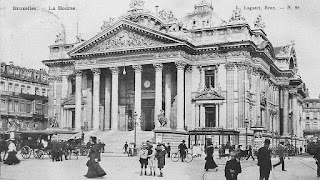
(315, 115)
(209, 78)
(210, 120)
(28, 107)
(4, 105)
(36, 91)
(2, 86)
(43, 92)
(16, 106)
(315, 125)
(307, 115)
(16, 88)
(10, 88)
(307, 125)
(28, 89)
(22, 107)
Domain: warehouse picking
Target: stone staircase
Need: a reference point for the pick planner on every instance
(115, 140)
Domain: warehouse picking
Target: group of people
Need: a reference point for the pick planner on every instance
(153, 156)
(11, 151)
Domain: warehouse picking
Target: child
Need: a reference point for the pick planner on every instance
(233, 167)
(143, 158)
(160, 155)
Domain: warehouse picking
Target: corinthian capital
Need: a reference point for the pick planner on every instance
(158, 66)
(137, 68)
(78, 73)
(96, 71)
(230, 65)
(180, 65)
(114, 70)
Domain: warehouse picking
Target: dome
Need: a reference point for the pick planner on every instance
(202, 17)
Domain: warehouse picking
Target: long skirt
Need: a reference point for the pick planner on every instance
(210, 164)
(94, 170)
(12, 158)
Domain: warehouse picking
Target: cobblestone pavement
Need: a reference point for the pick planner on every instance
(120, 167)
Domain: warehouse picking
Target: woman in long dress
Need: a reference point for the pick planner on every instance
(12, 151)
(210, 164)
(94, 169)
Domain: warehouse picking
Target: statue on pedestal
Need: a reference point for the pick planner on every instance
(162, 119)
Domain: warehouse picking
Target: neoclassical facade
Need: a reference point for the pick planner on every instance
(203, 74)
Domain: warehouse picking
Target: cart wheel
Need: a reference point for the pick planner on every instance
(40, 154)
(26, 152)
(49, 153)
(175, 157)
(36, 154)
(188, 158)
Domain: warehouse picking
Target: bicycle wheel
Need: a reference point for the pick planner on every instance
(26, 152)
(49, 154)
(188, 158)
(35, 153)
(175, 157)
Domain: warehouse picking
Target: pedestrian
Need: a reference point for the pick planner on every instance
(300, 150)
(264, 160)
(194, 151)
(232, 168)
(286, 151)
(143, 159)
(250, 154)
(94, 169)
(12, 151)
(281, 156)
(317, 157)
(182, 148)
(168, 149)
(160, 155)
(152, 161)
(210, 164)
(125, 147)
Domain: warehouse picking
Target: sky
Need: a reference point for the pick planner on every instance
(26, 34)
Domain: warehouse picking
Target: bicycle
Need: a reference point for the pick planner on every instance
(176, 156)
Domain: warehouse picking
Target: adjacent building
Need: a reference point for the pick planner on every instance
(198, 78)
(24, 98)
(311, 118)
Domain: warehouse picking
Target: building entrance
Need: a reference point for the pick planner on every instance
(210, 117)
(147, 115)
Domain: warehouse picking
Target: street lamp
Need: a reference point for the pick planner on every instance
(246, 123)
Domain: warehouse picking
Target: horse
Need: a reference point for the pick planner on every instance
(3, 148)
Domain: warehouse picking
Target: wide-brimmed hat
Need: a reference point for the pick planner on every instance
(183, 141)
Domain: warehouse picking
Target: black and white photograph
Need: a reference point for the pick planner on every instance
(160, 89)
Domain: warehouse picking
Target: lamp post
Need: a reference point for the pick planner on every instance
(295, 144)
(246, 123)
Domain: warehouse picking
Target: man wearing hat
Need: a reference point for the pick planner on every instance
(182, 148)
(143, 158)
(264, 160)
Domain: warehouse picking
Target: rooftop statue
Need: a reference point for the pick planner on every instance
(135, 4)
(60, 38)
(107, 24)
(258, 23)
(167, 16)
(236, 15)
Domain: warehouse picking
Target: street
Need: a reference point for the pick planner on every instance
(120, 167)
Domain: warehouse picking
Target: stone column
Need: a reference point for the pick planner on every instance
(114, 98)
(64, 86)
(258, 98)
(202, 77)
(180, 95)
(96, 99)
(107, 107)
(295, 114)
(137, 94)
(230, 95)
(188, 89)
(202, 116)
(285, 111)
(168, 97)
(78, 120)
(241, 95)
(69, 87)
(158, 94)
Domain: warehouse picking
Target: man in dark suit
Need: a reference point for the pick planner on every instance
(281, 156)
(182, 147)
(264, 160)
(317, 157)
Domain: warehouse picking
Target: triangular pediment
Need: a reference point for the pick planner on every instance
(125, 35)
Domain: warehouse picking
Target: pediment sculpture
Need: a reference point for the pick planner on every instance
(124, 39)
(167, 15)
(135, 4)
(258, 23)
